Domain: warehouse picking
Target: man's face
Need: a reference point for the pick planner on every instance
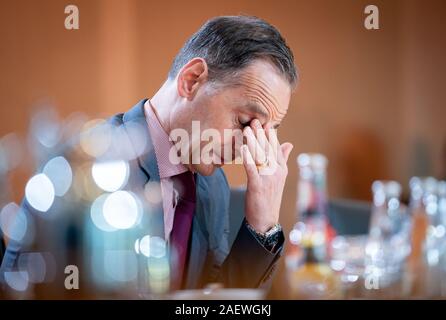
(260, 93)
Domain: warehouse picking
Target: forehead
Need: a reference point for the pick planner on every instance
(263, 85)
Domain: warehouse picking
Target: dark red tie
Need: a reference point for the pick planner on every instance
(184, 184)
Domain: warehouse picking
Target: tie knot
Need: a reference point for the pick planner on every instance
(184, 184)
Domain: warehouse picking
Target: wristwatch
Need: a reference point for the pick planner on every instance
(269, 239)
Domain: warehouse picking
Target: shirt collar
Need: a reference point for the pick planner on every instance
(162, 145)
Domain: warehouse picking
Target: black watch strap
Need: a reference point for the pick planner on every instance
(269, 239)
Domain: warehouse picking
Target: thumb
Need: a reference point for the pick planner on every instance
(286, 150)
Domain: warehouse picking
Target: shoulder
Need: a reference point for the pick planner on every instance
(116, 120)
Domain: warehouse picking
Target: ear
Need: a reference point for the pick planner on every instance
(191, 77)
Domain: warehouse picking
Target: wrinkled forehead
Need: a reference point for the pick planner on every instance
(264, 86)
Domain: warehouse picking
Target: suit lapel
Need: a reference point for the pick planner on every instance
(209, 244)
(147, 170)
(147, 160)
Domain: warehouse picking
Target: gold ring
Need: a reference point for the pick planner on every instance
(263, 165)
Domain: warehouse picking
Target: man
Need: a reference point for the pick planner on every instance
(235, 73)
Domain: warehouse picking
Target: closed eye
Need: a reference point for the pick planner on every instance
(244, 124)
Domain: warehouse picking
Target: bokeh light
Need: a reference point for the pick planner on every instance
(58, 170)
(154, 247)
(97, 215)
(121, 210)
(11, 152)
(34, 265)
(13, 222)
(144, 246)
(45, 127)
(73, 124)
(152, 192)
(129, 141)
(17, 280)
(84, 188)
(159, 275)
(39, 192)
(96, 137)
(137, 246)
(110, 175)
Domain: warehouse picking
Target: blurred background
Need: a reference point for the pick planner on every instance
(372, 101)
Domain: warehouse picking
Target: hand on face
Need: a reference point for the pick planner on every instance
(265, 162)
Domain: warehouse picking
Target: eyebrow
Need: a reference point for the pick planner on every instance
(255, 108)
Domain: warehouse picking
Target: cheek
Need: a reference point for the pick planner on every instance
(221, 112)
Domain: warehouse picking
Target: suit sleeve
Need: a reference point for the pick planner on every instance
(249, 264)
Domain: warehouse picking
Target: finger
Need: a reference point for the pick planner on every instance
(267, 128)
(275, 145)
(260, 133)
(254, 147)
(248, 163)
(286, 150)
(270, 169)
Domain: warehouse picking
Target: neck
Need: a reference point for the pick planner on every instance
(164, 104)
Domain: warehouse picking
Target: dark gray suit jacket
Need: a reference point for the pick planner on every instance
(212, 258)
